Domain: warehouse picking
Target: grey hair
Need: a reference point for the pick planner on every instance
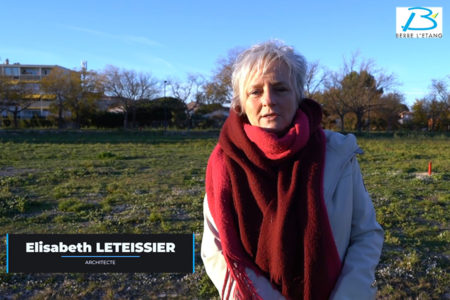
(259, 58)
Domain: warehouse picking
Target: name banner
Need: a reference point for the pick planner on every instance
(99, 253)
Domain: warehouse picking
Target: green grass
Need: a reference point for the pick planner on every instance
(413, 210)
(153, 182)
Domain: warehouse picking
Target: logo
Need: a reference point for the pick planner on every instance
(419, 22)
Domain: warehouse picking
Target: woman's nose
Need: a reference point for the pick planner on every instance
(268, 98)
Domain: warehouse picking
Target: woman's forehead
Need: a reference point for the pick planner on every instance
(276, 71)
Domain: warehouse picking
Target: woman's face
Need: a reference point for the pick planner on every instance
(270, 101)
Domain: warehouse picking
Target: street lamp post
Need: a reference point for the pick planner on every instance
(165, 106)
(165, 82)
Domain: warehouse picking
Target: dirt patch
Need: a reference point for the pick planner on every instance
(423, 175)
(11, 171)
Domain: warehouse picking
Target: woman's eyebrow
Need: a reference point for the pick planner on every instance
(278, 83)
(255, 85)
(273, 83)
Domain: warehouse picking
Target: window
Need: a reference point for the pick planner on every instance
(9, 71)
(30, 71)
(46, 71)
(32, 87)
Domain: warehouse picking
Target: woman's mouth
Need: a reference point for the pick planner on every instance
(270, 116)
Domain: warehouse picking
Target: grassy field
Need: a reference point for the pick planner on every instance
(150, 182)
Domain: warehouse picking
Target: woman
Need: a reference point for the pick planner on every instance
(287, 215)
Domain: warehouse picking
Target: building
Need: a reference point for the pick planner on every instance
(31, 75)
(26, 72)
(405, 117)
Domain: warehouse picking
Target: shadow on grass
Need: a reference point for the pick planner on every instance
(104, 136)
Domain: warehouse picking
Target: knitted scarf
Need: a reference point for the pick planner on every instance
(265, 194)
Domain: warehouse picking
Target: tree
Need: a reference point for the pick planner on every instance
(129, 86)
(209, 116)
(219, 88)
(420, 113)
(334, 104)
(439, 103)
(314, 79)
(433, 111)
(332, 97)
(58, 84)
(15, 97)
(437, 114)
(158, 111)
(361, 86)
(188, 89)
(74, 91)
(388, 113)
(360, 92)
(85, 87)
(440, 90)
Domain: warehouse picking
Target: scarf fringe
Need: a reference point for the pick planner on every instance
(244, 288)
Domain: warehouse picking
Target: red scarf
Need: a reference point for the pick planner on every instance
(265, 194)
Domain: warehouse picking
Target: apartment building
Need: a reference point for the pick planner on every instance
(31, 74)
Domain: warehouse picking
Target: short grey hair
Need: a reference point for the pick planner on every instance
(259, 58)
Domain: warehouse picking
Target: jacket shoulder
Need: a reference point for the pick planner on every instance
(340, 149)
(341, 144)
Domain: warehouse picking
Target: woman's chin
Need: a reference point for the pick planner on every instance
(278, 130)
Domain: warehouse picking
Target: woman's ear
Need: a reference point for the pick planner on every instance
(236, 105)
(238, 109)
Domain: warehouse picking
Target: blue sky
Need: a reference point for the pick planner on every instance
(172, 38)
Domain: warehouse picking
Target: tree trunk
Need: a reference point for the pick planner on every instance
(125, 119)
(60, 114)
(359, 117)
(165, 118)
(342, 123)
(77, 118)
(77, 122)
(133, 120)
(16, 125)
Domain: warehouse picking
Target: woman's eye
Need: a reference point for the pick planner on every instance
(281, 89)
(255, 92)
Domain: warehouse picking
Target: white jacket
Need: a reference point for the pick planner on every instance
(358, 236)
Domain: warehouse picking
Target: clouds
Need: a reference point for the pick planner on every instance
(118, 37)
(124, 50)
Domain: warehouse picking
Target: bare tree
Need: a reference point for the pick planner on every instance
(440, 90)
(219, 88)
(314, 80)
(332, 98)
(438, 104)
(334, 104)
(187, 89)
(129, 86)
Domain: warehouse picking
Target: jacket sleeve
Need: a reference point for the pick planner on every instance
(211, 251)
(215, 264)
(357, 279)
